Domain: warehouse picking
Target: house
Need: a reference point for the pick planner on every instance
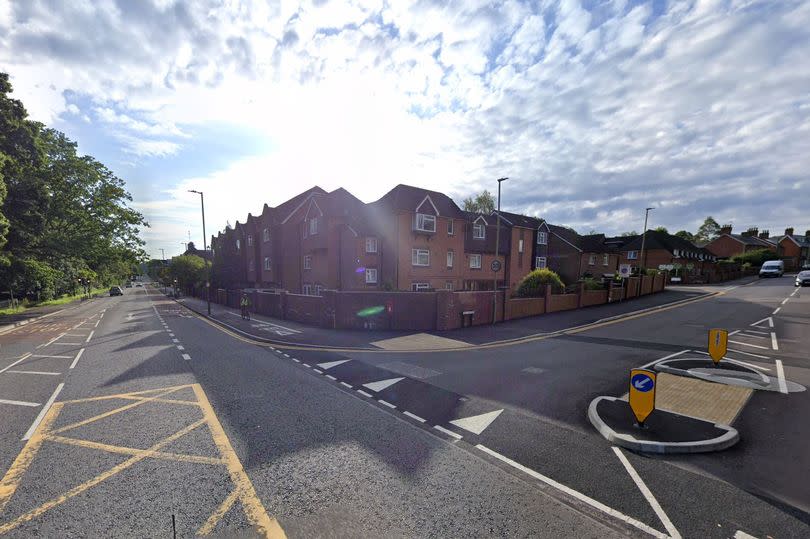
(662, 248)
(573, 256)
(521, 258)
(191, 250)
(727, 244)
(794, 250)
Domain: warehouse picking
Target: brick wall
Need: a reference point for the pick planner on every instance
(562, 302)
(523, 307)
(415, 311)
(593, 297)
(306, 309)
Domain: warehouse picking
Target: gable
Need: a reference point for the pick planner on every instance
(421, 208)
(310, 213)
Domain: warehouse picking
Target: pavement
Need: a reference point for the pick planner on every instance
(170, 416)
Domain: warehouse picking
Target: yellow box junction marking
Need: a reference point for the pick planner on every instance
(642, 393)
(718, 344)
(242, 492)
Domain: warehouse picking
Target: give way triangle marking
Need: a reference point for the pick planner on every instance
(477, 423)
(768, 319)
(330, 364)
(382, 384)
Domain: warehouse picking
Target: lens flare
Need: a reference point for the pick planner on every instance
(370, 311)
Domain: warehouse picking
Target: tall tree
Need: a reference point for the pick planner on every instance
(662, 229)
(189, 270)
(709, 230)
(482, 203)
(685, 234)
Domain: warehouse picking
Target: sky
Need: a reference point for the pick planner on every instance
(594, 109)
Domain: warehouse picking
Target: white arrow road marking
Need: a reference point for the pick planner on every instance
(331, 364)
(673, 532)
(382, 384)
(477, 423)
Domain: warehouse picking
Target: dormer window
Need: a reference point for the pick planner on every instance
(425, 222)
(313, 226)
(479, 231)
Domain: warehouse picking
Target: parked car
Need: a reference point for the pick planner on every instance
(116, 291)
(772, 268)
(128, 285)
(803, 278)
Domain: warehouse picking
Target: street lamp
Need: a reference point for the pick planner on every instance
(644, 238)
(163, 254)
(496, 267)
(207, 265)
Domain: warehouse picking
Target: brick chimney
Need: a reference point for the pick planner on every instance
(751, 232)
(764, 235)
(789, 231)
(725, 229)
(807, 235)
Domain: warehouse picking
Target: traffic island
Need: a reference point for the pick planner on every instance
(728, 372)
(663, 431)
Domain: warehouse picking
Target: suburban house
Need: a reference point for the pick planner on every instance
(727, 244)
(662, 248)
(573, 256)
(794, 250)
(520, 259)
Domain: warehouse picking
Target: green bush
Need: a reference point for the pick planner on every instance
(534, 284)
(651, 272)
(592, 284)
(755, 258)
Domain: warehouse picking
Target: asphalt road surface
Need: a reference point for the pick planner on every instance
(134, 417)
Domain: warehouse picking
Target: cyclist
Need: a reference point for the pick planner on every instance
(244, 303)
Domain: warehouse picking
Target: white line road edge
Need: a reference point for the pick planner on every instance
(774, 343)
(670, 527)
(777, 310)
(35, 372)
(573, 493)
(780, 373)
(75, 361)
(19, 403)
(748, 344)
(186, 357)
(23, 358)
(90, 336)
(33, 428)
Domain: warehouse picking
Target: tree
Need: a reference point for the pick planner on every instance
(627, 234)
(189, 270)
(483, 203)
(686, 235)
(534, 284)
(708, 230)
(662, 229)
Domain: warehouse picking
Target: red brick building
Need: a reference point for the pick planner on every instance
(661, 248)
(727, 245)
(794, 250)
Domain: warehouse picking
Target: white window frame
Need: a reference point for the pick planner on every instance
(307, 289)
(473, 258)
(267, 263)
(451, 255)
(307, 262)
(591, 260)
(371, 275)
(479, 231)
(250, 240)
(371, 245)
(416, 287)
(605, 260)
(542, 238)
(313, 226)
(540, 262)
(448, 285)
(238, 245)
(520, 246)
(450, 228)
(266, 234)
(317, 290)
(421, 222)
(416, 253)
(632, 255)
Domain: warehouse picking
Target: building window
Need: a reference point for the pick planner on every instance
(448, 285)
(605, 260)
(450, 230)
(371, 275)
(450, 255)
(313, 226)
(542, 238)
(632, 255)
(266, 234)
(475, 261)
(308, 262)
(591, 260)
(540, 262)
(371, 245)
(418, 287)
(318, 289)
(426, 223)
(267, 263)
(250, 240)
(479, 232)
(420, 257)
(520, 246)
(307, 289)
(238, 245)
(306, 229)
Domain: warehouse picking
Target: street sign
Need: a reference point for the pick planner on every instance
(496, 265)
(642, 393)
(718, 344)
(625, 270)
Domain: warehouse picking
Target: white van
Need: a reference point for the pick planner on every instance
(772, 268)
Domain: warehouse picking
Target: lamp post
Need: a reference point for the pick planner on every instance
(644, 238)
(207, 265)
(497, 254)
(163, 254)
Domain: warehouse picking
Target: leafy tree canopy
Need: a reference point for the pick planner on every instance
(482, 203)
(709, 230)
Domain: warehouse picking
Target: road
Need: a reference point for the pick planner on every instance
(170, 420)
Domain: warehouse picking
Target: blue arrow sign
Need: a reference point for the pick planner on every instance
(642, 382)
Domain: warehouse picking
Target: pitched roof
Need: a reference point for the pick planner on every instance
(284, 209)
(516, 219)
(408, 197)
(801, 241)
(750, 240)
(661, 240)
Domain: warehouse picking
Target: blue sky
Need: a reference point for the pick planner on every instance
(594, 109)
